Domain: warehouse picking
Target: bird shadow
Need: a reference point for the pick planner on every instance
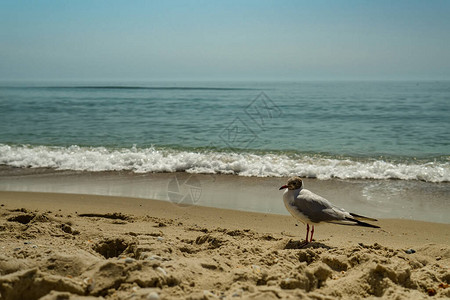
(291, 244)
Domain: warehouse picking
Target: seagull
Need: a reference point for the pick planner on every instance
(311, 209)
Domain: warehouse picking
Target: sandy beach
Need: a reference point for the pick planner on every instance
(68, 246)
(147, 151)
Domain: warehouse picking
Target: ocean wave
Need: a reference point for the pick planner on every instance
(146, 160)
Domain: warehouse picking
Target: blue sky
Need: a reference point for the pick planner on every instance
(224, 40)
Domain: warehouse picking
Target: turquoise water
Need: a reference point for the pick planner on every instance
(319, 129)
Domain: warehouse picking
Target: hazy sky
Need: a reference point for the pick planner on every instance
(226, 40)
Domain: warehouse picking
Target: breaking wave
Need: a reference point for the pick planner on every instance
(152, 159)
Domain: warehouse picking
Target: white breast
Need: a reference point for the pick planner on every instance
(288, 199)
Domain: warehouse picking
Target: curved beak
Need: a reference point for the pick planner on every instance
(283, 187)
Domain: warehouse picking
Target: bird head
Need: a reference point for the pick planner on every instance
(293, 183)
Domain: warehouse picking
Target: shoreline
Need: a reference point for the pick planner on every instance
(394, 199)
(103, 247)
(262, 222)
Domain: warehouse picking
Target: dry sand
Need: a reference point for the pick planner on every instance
(63, 246)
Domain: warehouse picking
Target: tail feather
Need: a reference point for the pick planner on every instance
(361, 223)
(357, 217)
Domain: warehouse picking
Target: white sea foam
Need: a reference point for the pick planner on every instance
(242, 164)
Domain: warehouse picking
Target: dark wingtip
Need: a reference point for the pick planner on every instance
(362, 217)
(364, 224)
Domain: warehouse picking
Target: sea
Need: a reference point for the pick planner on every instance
(375, 131)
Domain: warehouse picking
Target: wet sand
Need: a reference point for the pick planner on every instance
(75, 246)
(395, 199)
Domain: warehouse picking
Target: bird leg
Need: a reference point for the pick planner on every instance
(307, 233)
(306, 241)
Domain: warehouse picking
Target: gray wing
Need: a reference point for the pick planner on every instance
(319, 209)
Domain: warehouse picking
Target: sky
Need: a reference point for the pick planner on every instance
(225, 40)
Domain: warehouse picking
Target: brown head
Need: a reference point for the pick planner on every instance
(293, 183)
